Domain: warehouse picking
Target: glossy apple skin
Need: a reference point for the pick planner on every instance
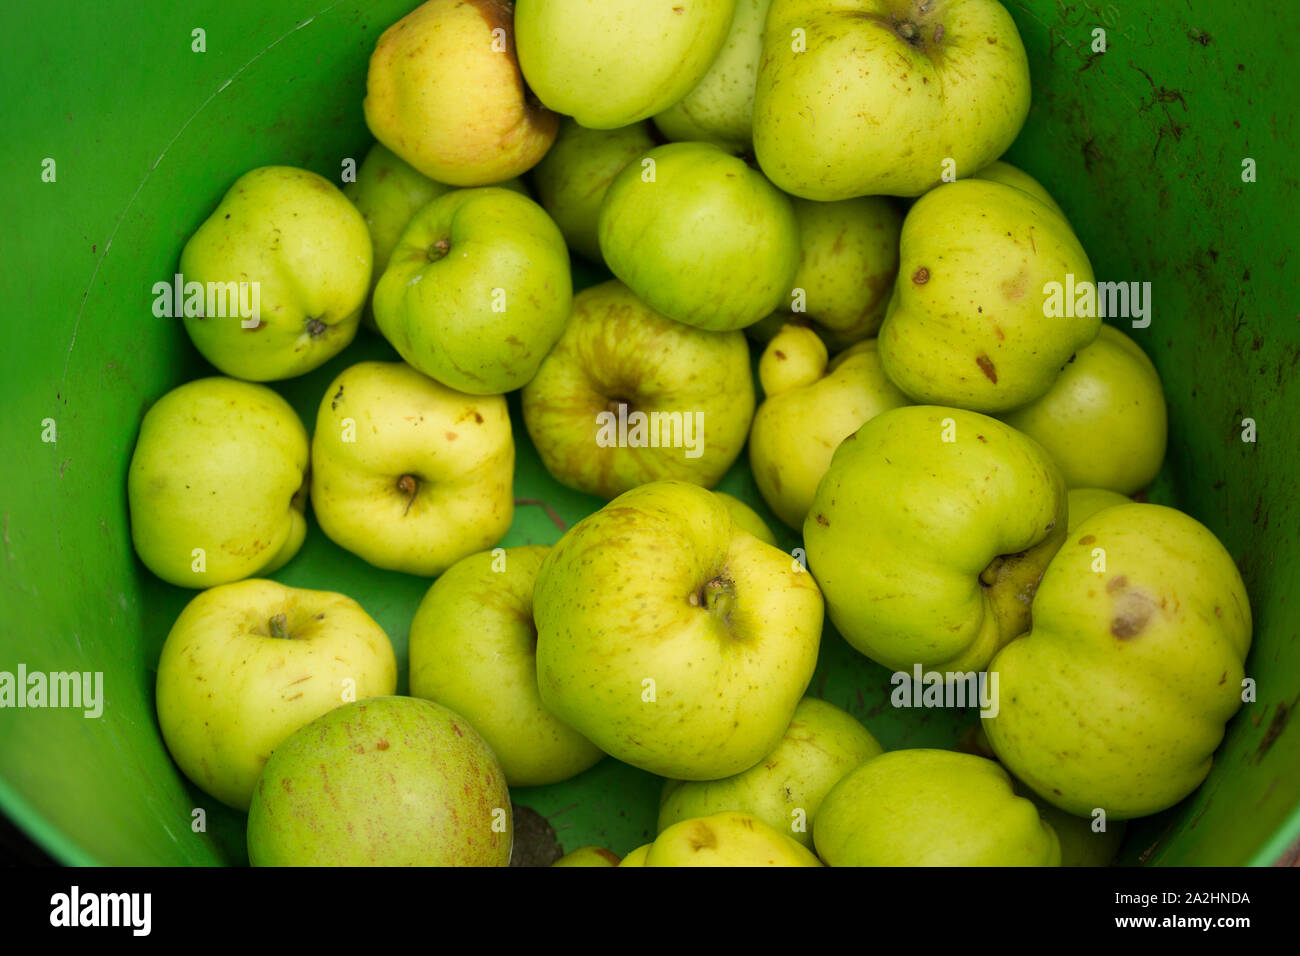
(729, 838)
(391, 781)
(661, 586)
(1118, 696)
(932, 808)
(863, 110)
(231, 689)
(928, 551)
(444, 93)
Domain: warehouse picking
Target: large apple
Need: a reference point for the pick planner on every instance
(247, 664)
(407, 473)
(218, 483)
(1117, 698)
(444, 92)
(617, 62)
(474, 649)
(929, 534)
(785, 788)
(392, 781)
(872, 97)
(628, 396)
(968, 324)
(700, 236)
(670, 637)
(477, 290)
(809, 409)
(729, 838)
(720, 109)
(1104, 418)
(286, 263)
(932, 808)
(574, 174)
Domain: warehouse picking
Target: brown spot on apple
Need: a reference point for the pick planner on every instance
(821, 520)
(986, 366)
(1087, 539)
(921, 276)
(702, 837)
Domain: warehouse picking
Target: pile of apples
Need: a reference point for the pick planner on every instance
(813, 184)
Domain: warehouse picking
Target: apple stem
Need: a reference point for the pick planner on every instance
(279, 627)
(720, 596)
(408, 485)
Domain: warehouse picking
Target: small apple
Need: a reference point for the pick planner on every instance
(1005, 173)
(573, 176)
(303, 253)
(700, 236)
(785, 788)
(720, 109)
(747, 518)
(968, 324)
(1104, 418)
(588, 856)
(477, 290)
(931, 808)
(408, 474)
(391, 781)
(729, 838)
(444, 92)
(810, 408)
(1118, 696)
(218, 483)
(627, 396)
(929, 534)
(882, 97)
(474, 649)
(1083, 503)
(247, 664)
(671, 638)
(620, 61)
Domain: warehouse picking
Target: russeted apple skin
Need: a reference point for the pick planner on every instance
(931, 808)
(707, 240)
(220, 465)
(729, 838)
(473, 648)
(229, 691)
(1104, 418)
(302, 242)
(966, 324)
(905, 527)
(390, 781)
(820, 746)
(427, 477)
(443, 95)
(617, 62)
(617, 349)
(624, 599)
(861, 111)
(1118, 696)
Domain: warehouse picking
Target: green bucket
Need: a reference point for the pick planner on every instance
(1143, 146)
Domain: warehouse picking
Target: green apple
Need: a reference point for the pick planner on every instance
(573, 176)
(785, 788)
(477, 290)
(588, 856)
(1005, 173)
(1086, 502)
(408, 474)
(474, 649)
(720, 109)
(929, 534)
(286, 262)
(444, 92)
(747, 518)
(848, 260)
(218, 483)
(619, 61)
(636, 857)
(247, 664)
(1117, 698)
(810, 408)
(931, 808)
(391, 781)
(1104, 418)
(967, 325)
(670, 637)
(628, 396)
(700, 236)
(882, 97)
(729, 838)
